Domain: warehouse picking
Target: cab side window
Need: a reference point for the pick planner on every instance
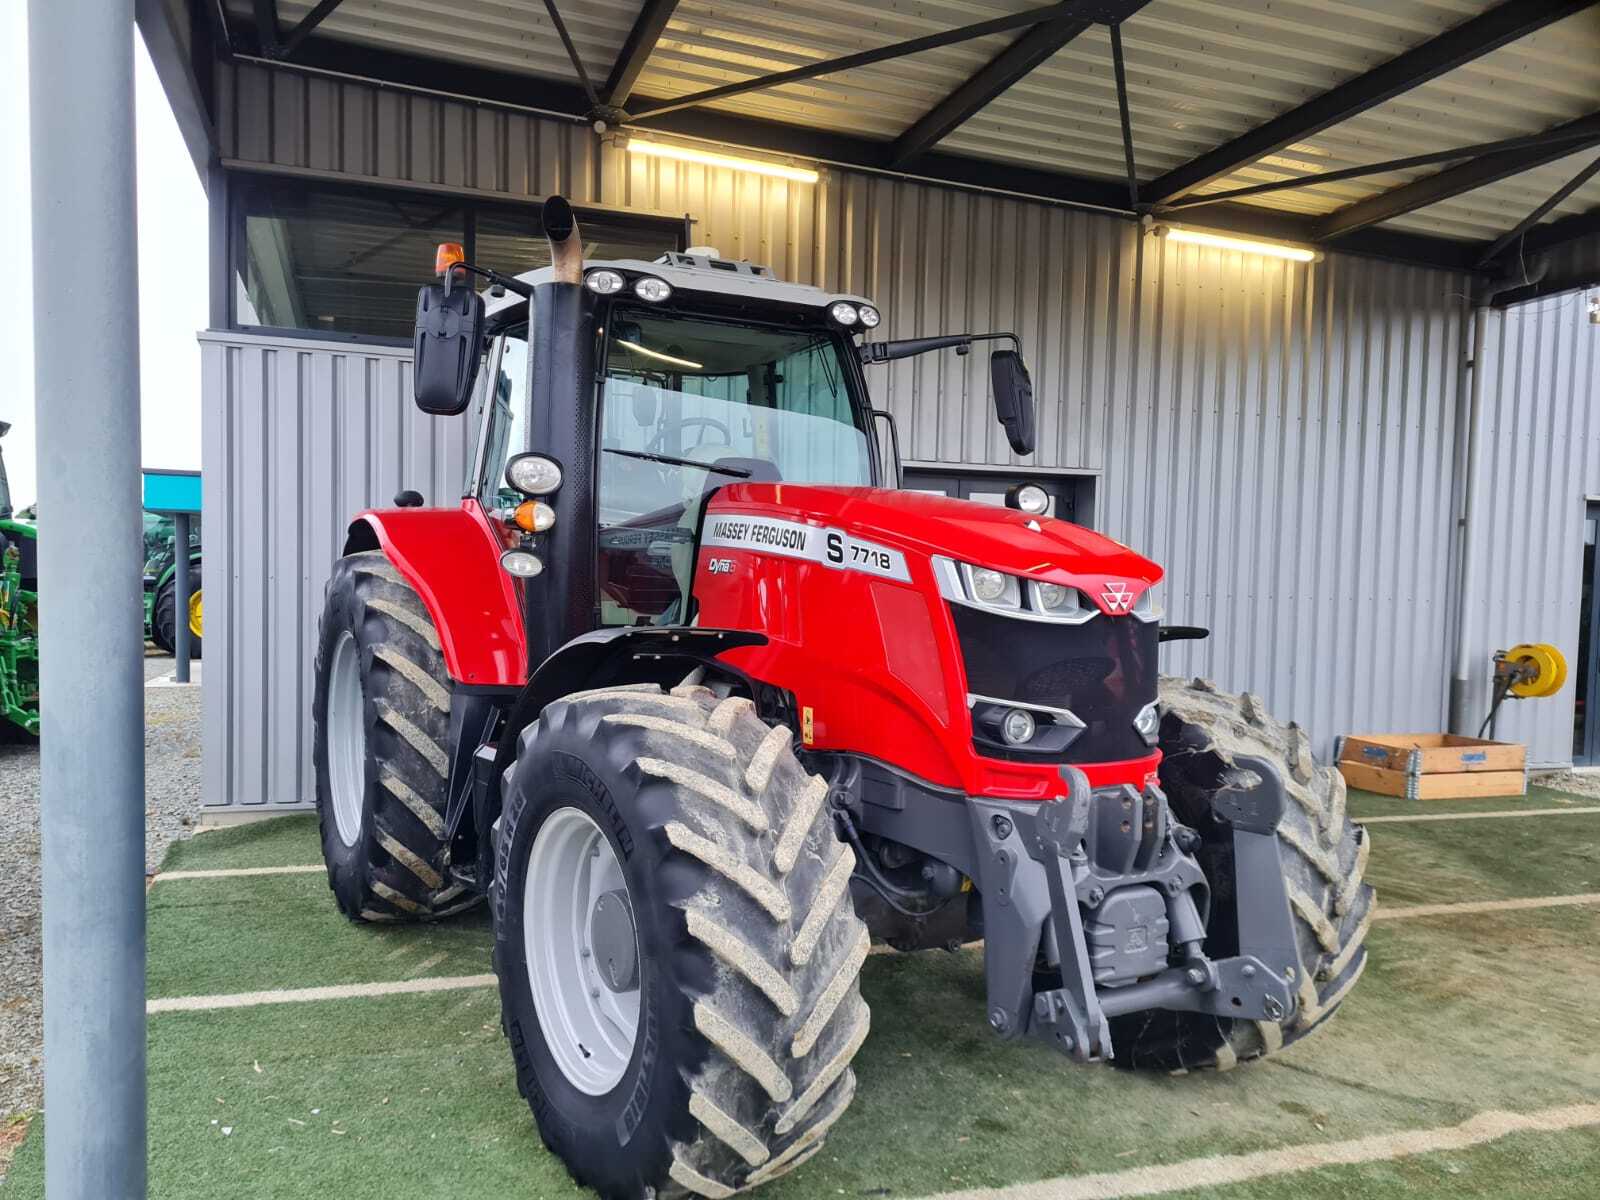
(505, 411)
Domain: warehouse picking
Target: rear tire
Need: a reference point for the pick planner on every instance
(748, 947)
(381, 738)
(1324, 857)
(163, 621)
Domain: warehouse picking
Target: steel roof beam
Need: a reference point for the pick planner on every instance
(1408, 163)
(636, 50)
(1467, 41)
(572, 51)
(1454, 181)
(266, 12)
(307, 23)
(865, 58)
(1538, 214)
(1029, 51)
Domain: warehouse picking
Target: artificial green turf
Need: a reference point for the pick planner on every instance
(282, 931)
(1455, 1015)
(284, 841)
(1529, 1166)
(1443, 862)
(1370, 804)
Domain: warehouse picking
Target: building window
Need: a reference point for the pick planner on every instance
(1071, 496)
(346, 261)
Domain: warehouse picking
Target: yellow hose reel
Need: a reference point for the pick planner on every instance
(1531, 670)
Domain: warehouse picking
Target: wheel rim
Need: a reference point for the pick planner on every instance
(196, 615)
(573, 882)
(347, 738)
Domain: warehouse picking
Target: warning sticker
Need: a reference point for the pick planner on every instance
(815, 543)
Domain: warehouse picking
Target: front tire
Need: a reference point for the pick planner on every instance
(380, 747)
(164, 619)
(747, 947)
(1323, 855)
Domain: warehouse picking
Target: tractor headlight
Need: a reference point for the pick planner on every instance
(1029, 498)
(524, 564)
(533, 474)
(993, 588)
(1056, 598)
(1148, 606)
(870, 317)
(845, 314)
(604, 282)
(1018, 726)
(1148, 723)
(652, 289)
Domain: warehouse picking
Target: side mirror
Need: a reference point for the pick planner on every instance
(1013, 398)
(447, 348)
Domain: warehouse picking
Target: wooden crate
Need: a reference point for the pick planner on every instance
(1433, 766)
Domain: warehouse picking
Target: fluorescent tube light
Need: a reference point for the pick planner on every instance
(656, 354)
(1219, 241)
(707, 158)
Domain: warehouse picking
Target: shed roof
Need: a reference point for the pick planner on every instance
(1248, 87)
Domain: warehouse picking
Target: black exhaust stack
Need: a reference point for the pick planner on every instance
(563, 602)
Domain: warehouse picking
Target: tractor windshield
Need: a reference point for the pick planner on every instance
(692, 404)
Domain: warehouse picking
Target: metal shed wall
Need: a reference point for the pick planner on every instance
(1280, 436)
(1539, 460)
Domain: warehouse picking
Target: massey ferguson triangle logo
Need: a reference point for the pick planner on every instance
(1118, 596)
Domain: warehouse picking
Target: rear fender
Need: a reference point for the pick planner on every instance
(451, 557)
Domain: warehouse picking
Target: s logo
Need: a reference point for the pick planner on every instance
(835, 547)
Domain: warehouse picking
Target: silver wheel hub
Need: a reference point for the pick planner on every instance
(347, 739)
(582, 951)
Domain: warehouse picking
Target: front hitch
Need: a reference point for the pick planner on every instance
(1118, 856)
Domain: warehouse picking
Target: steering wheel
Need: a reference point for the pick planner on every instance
(706, 423)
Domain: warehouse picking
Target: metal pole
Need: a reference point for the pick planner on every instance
(1461, 681)
(180, 597)
(86, 381)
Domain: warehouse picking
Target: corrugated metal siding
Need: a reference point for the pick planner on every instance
(1540, 459)
(297, 436)
(1280, 436)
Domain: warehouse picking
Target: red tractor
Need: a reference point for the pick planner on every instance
(704, 707)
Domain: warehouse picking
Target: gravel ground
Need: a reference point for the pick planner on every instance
(1574, 783)
(172, 790)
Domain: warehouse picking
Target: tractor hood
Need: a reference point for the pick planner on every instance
(1041, 548)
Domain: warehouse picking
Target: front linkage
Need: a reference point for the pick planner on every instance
(1093, 906)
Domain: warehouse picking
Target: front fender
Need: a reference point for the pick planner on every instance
(451, 557)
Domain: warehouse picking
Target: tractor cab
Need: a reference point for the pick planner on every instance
(706, 373)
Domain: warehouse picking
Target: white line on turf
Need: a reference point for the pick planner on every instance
(1225, 1169)
(343, 991)
(1399, 818)
(239, 872)
(1484, 906)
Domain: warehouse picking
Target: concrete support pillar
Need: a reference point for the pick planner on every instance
(84, 296)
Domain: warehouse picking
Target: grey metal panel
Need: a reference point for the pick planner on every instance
(298, 436)
(1281, 437)
(1541, 439)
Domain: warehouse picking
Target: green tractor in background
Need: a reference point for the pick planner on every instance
(160, 583)
(19, 613)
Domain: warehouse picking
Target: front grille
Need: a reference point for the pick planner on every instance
(1104, 671)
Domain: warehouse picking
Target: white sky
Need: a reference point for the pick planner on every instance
(172, 270)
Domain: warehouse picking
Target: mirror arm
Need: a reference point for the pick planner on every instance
(880, 352)
(525, 290)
